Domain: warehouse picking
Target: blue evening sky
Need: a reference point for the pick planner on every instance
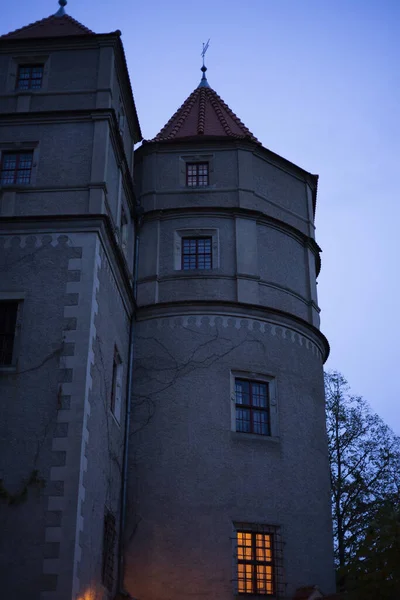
(318, 82)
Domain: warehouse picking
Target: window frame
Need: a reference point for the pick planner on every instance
(180, 234)
(253, 408)
(275, 562)
(270, 380)
(254, 562)
(197, 254)
(30, 79)
(17, 153)
(196, 177)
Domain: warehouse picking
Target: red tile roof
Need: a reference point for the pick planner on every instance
(204, 113)
(52, 26)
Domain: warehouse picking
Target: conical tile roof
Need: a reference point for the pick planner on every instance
(204, 114)
(52, 26)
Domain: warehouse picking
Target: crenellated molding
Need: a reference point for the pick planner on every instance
(268, 322)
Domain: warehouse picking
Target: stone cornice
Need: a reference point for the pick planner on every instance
(222, 143)
(238, 311)
(99, 224)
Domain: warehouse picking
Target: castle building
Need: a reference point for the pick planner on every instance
(161, 365)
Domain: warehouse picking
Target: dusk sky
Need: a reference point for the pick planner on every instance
(318, 82)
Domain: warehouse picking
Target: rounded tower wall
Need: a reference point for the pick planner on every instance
(196, 476)
(262, 253)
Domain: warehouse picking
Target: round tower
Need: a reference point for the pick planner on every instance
(230, 491)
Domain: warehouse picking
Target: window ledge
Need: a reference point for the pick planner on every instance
(7, 370)
(254, 597)
(13, 186)
(254, 437)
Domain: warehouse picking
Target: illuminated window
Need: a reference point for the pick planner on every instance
(29, 77)
(16, 167)
(196, 174)
(255, 563)
(196, 253)
(116, 386)
(259, 560)
(252, 407)
(8, 321)
(109, 539)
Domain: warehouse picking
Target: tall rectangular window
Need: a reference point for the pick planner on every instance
(16, 167)
(116, 386)
(196, 174)
(255, 562)
(252, 407)
(29, 77)
(109, 539)
(196, 253)
(8, 322)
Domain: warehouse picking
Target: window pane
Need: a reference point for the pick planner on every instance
(260, 422)
(242, 392)
(263, 547)
(259, 394)
(243, 422)
(245, 579)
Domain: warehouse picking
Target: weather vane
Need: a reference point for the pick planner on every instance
(205, 48)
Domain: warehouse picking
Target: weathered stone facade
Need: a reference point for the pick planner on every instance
(175, 476)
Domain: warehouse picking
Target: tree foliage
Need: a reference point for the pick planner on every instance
(364, 457)
(375, 570)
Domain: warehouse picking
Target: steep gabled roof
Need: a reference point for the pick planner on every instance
(52, 26)
(204, 114)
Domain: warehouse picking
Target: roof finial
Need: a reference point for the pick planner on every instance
(61, 10)
(204, 82)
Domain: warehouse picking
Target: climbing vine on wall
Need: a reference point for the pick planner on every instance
(34, 480)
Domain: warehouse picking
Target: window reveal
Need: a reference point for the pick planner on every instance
(196, 253)
(252, 407)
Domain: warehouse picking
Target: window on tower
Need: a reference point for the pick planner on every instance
(116, 386)
(8, 323)
(29, 77)
(16, 168)
(197, 174)
(196, 253)
(108, 558)
(252, 407)
(259, 560)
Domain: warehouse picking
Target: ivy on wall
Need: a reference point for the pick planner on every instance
(34, 480)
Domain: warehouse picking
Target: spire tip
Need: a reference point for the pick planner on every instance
(61, 10)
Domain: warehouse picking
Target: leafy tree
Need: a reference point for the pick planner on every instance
(375, 570)
(364, 458)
